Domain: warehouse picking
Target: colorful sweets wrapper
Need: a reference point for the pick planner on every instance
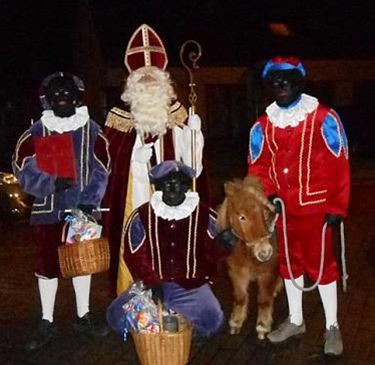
(81, 228)
(134, 310)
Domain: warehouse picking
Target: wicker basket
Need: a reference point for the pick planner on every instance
(83, 258)
(164, 348)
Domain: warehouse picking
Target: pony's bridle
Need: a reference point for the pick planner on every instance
(254, 241)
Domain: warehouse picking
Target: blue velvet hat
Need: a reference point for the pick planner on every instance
(164, 168)
(280, 63)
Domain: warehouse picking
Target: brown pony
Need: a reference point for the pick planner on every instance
(247, 211)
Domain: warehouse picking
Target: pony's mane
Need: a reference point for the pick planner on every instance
(250, 186)
(253, 185)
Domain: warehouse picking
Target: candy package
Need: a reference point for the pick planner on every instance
(81, 228)
(134, 310)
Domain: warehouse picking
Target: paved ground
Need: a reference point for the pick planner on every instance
(19, 304)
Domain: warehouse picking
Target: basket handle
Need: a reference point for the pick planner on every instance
(91, 218)
(160, 313)
(64, 231)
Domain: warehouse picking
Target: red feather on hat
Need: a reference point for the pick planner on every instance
(290, 59)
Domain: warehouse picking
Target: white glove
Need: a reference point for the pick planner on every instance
(194, 122)
(143, 153)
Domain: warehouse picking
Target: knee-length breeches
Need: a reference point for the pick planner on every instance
(304, 238)
(47, 237)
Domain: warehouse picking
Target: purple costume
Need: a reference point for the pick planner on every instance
(92, 164)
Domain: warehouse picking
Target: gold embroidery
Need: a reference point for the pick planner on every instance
(195, 243)
(273, 162)
(188, 250)
(121, 120)
(191, 246)
(151, 244)
(300, 168)
(309, 160)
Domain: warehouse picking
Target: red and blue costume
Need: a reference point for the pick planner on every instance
(299, 150)
(306, 165)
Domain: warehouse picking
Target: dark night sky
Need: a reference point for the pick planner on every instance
(37, 36)
(235, 32)
(40, 33)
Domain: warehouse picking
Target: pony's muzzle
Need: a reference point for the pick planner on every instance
(263, 254)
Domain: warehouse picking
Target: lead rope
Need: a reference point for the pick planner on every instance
(343, 260)
(345, 275)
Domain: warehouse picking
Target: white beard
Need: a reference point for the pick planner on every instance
(149, 92)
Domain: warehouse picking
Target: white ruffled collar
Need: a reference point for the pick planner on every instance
(292, 116)
(61, 125)
(178, 212)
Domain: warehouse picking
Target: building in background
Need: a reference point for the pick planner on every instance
(230, 98)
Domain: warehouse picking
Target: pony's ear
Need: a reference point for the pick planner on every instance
(229, 188)
(269, 214)
(222, 221)
(270, 207)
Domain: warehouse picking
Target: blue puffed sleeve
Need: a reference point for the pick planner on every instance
(334, 135)
(344, 139)
(136, 232)
(31, 179)
(256, 142)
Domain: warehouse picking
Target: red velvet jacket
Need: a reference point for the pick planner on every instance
(183, 251)
(306, 165)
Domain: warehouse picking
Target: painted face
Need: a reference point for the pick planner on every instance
(286, 86)
(174, 187)
(62, 96)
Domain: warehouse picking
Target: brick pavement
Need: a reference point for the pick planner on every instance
(19, 306)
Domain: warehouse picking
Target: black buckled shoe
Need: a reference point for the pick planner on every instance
(43, 334)
(90, 326)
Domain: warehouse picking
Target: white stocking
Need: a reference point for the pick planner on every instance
(47, 291)
(81, 286)
(294, 296)
(328, 295)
